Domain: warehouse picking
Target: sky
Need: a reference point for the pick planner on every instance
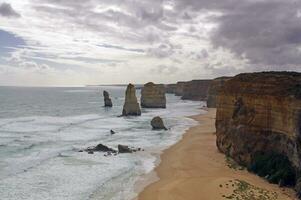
(76, 42)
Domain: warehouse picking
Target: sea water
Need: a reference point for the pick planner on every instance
(42, 130)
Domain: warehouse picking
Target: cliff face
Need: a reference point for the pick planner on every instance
(170, 88)
(131, 105)
(153, 96)
(196, 90)
(260, 113)
(214, 89)
(179, 88)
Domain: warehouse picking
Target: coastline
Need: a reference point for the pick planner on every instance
(194, 169)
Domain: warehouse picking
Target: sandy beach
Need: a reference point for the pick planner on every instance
(193, 169)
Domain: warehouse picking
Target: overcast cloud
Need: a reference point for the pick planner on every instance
(75, 42)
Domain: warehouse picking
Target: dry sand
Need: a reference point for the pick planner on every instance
(193, 169)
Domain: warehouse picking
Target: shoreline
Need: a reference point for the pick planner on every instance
(193, 168)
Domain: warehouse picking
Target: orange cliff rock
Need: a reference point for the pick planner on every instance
(214, 89)
(259, 114)
(196, 90)
(179, 88)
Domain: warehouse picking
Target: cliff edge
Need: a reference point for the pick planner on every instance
(258, 124)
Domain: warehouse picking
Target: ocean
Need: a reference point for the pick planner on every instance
(42, 130)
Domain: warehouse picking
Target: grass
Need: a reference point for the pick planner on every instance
(242, 190)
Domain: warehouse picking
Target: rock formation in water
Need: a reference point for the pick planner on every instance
(100, 148)
(153, 96)
(131, 105)
(258, 123)
(107, 99)
(196, 90)
(170, 88)
(179, 88)
(214, 89)
(158, 124)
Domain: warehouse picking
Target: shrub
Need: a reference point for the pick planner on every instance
(275, 167)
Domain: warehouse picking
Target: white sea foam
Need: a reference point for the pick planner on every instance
(39, 158)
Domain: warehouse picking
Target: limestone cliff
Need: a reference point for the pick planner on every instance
(170, 88)
(214, 89)
(196, 90)
(179, 88)
(153, 96)
(131, 105)
(260, 113)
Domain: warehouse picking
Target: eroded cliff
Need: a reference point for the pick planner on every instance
(196, 90)
(179, 88)
(214, 89)
(170, 88)
(259, 114)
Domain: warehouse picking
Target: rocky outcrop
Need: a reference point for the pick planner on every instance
(259, 115)
(158, 124)
(100, 148)
(127, 149)
(124, 149)
(170, 88)
(153, 96)
(196, 90)
(179, 88)
(214, 89)
(131, 105)
(107, 99)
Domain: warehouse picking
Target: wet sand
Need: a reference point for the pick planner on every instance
(193, 169)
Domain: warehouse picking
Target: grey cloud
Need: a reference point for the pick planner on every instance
(121, 48)
(7, 11)
(163, 50)
(266, 32)
(165, 69)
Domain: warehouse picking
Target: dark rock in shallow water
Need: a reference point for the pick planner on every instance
(124, 149)
(100, 148)
(157, 124)
(107, 99)
(90, 152)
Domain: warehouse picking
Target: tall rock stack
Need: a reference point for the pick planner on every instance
(153, 96)
(214, 89)
(131, 105)
(258, 121)
(107, 99)
(179, 88)
(196, 90)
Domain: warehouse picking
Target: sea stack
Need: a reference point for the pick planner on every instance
(258, 122)
(158, 124)
(107, 99)
(131, 105)
(153, 96)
